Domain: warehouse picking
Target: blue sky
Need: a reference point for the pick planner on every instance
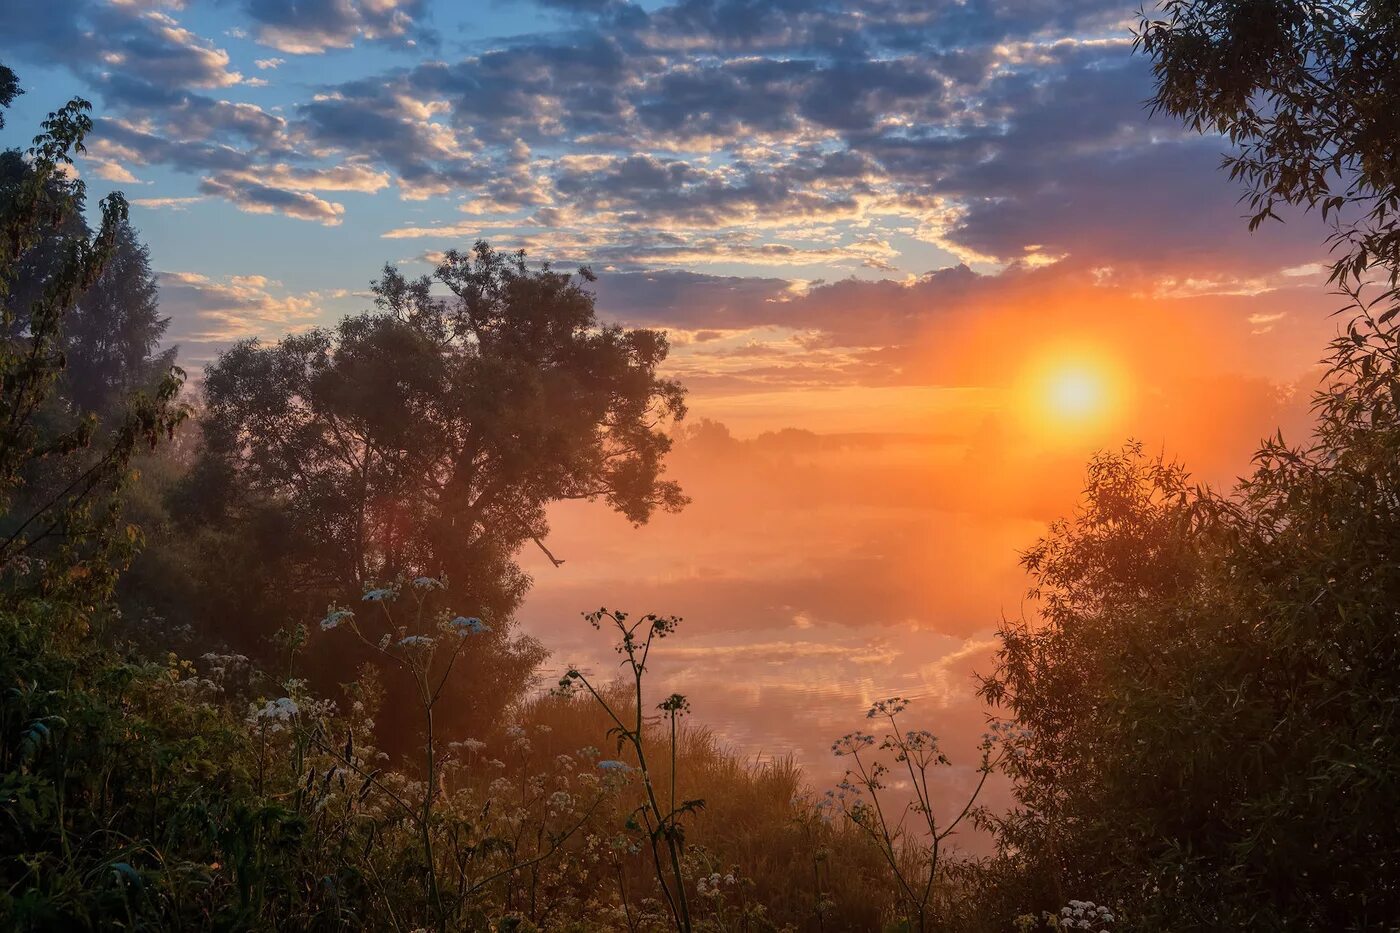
(717, 159)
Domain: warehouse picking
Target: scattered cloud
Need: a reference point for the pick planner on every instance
(208, 314)
(766, 134)
(249, 194)
(310, 27)
(135, 41)
(113, 171)
(175, 204)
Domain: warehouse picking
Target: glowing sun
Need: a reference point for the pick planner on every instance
(1076, 393)
(1065, 394)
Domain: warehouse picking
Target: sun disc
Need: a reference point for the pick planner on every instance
(1069, 393)
(1076, 393)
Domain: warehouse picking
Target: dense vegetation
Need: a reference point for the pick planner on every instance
(1199, 719)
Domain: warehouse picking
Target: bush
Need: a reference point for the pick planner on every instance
(1209, 698)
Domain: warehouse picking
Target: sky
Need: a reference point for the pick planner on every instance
(917, 260)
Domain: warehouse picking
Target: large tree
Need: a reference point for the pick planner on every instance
(430, 436)
(114, 335)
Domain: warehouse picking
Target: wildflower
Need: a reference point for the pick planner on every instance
(469, 625)
(472, 745)
(378, 595)
(279, 710)
(860, 812)
(334, 618)
(675, 703)
(198, 685)
(618, 766)
(888, 707)
(851, 743)
(1085, 915)
(428, 583)
(220, 664)
(416, 641)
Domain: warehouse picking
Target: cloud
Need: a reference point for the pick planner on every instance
(610, 249)
(670, 138)
(176, 204)
(895, 327)
(112, 171)
(249, 194)
(138, 144)
(347, 176)
(206, 123)
(310, 27)
(161, 51)
(673, 296)
(144, 46)
(773, 96)
(886, 135)
(208, 314)
(641, 189)
(1073, 166)
(1264, 322)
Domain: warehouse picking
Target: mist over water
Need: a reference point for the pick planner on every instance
(820, 572)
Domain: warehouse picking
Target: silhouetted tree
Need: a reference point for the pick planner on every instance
(111, 336)
(1309, 93)
(114, 334)
(430, 437)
